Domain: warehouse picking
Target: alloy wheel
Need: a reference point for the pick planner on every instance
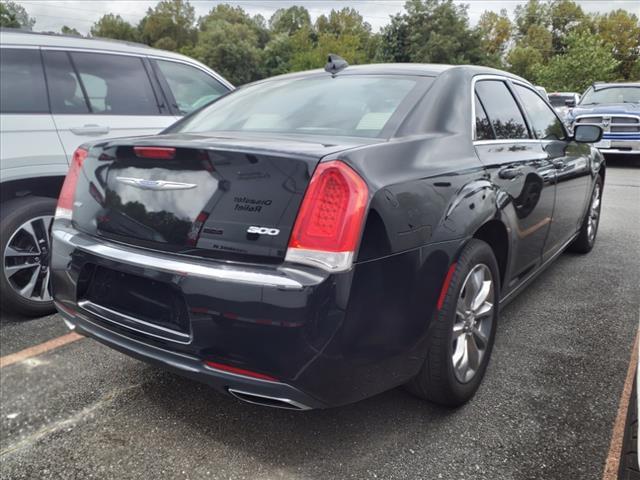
(26, 259)
(473, 323)
(594, 214)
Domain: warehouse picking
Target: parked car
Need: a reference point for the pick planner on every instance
(563, 102)
(57, 92)
(616, 108)
(314, 239)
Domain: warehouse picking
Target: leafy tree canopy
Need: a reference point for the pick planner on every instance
(13, 15)
(114, 26)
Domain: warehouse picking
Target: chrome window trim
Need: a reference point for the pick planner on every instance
(17, 45)
(211, 73)
(207, 71)
(546, 101)
(505, 79)
(165, 263)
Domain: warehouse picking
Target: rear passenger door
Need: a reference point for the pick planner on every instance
(29, 143)
(102, 95)
(519, 167)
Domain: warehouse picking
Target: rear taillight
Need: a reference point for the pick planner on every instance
(329, 223)
(68, 192)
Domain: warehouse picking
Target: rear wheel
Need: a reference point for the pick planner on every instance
(459, 348)
(586, 238)
(25, 245)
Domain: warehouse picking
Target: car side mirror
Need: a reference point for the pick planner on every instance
(570, 103)
(587, 133)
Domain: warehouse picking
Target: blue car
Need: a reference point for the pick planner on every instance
(616, 108)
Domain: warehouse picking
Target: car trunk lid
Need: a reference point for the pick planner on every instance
(225, 196)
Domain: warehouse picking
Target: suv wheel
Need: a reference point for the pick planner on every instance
(25, 225)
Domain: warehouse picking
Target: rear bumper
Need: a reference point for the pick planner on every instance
(329, 339)
(189, 366)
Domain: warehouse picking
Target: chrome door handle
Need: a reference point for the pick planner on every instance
(509, 173)
(90, 130)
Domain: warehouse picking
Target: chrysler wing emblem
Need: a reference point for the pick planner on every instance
(145, 184)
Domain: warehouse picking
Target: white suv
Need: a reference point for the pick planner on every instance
(57, 92)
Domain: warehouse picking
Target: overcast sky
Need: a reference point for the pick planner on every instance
(51, 15)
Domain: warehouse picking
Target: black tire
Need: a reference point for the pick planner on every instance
(437, 380)
(584, 242)
(13, 214)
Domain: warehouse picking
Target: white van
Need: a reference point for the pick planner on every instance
(57, 92)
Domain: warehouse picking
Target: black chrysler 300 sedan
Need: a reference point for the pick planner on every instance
(314, 239)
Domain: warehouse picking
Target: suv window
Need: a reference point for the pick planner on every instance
(191, 88)
(65, 91)
(545, 123)
(502, 110)
(483, 127)
(116, 84)
(22, 85)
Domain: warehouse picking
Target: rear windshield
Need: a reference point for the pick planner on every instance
(558, 100)
(355, 106)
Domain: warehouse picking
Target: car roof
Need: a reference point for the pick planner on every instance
(15, 37)
(600, 86)
(406, 69)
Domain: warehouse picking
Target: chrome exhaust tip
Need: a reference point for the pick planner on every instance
(267, 401)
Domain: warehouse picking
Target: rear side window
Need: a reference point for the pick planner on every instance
(191, 88)
(502, 110)
(116, 84)
(483, 127)
(544, 122)
(22, 85)
(65, 90)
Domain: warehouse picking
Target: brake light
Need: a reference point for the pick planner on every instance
(329, 223)
(158, 153)
(68, 192)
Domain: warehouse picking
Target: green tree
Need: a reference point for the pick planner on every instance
(587, 59)
(114, 26)
(345, 33)
(173, 20)
(438, 32)
(525, 61)
(622, 30)
(65, 30)
(237, 16)
(566, 17)
(394, 41)
(534, 12)
(231, 41)
(289, 20)
(495, 32)
(13, 15)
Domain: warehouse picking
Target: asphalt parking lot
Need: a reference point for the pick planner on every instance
(545, 411)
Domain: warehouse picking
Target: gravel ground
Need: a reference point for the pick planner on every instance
(545, 410)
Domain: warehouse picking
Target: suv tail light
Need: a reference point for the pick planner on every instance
(68, 192)
(330, 219)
